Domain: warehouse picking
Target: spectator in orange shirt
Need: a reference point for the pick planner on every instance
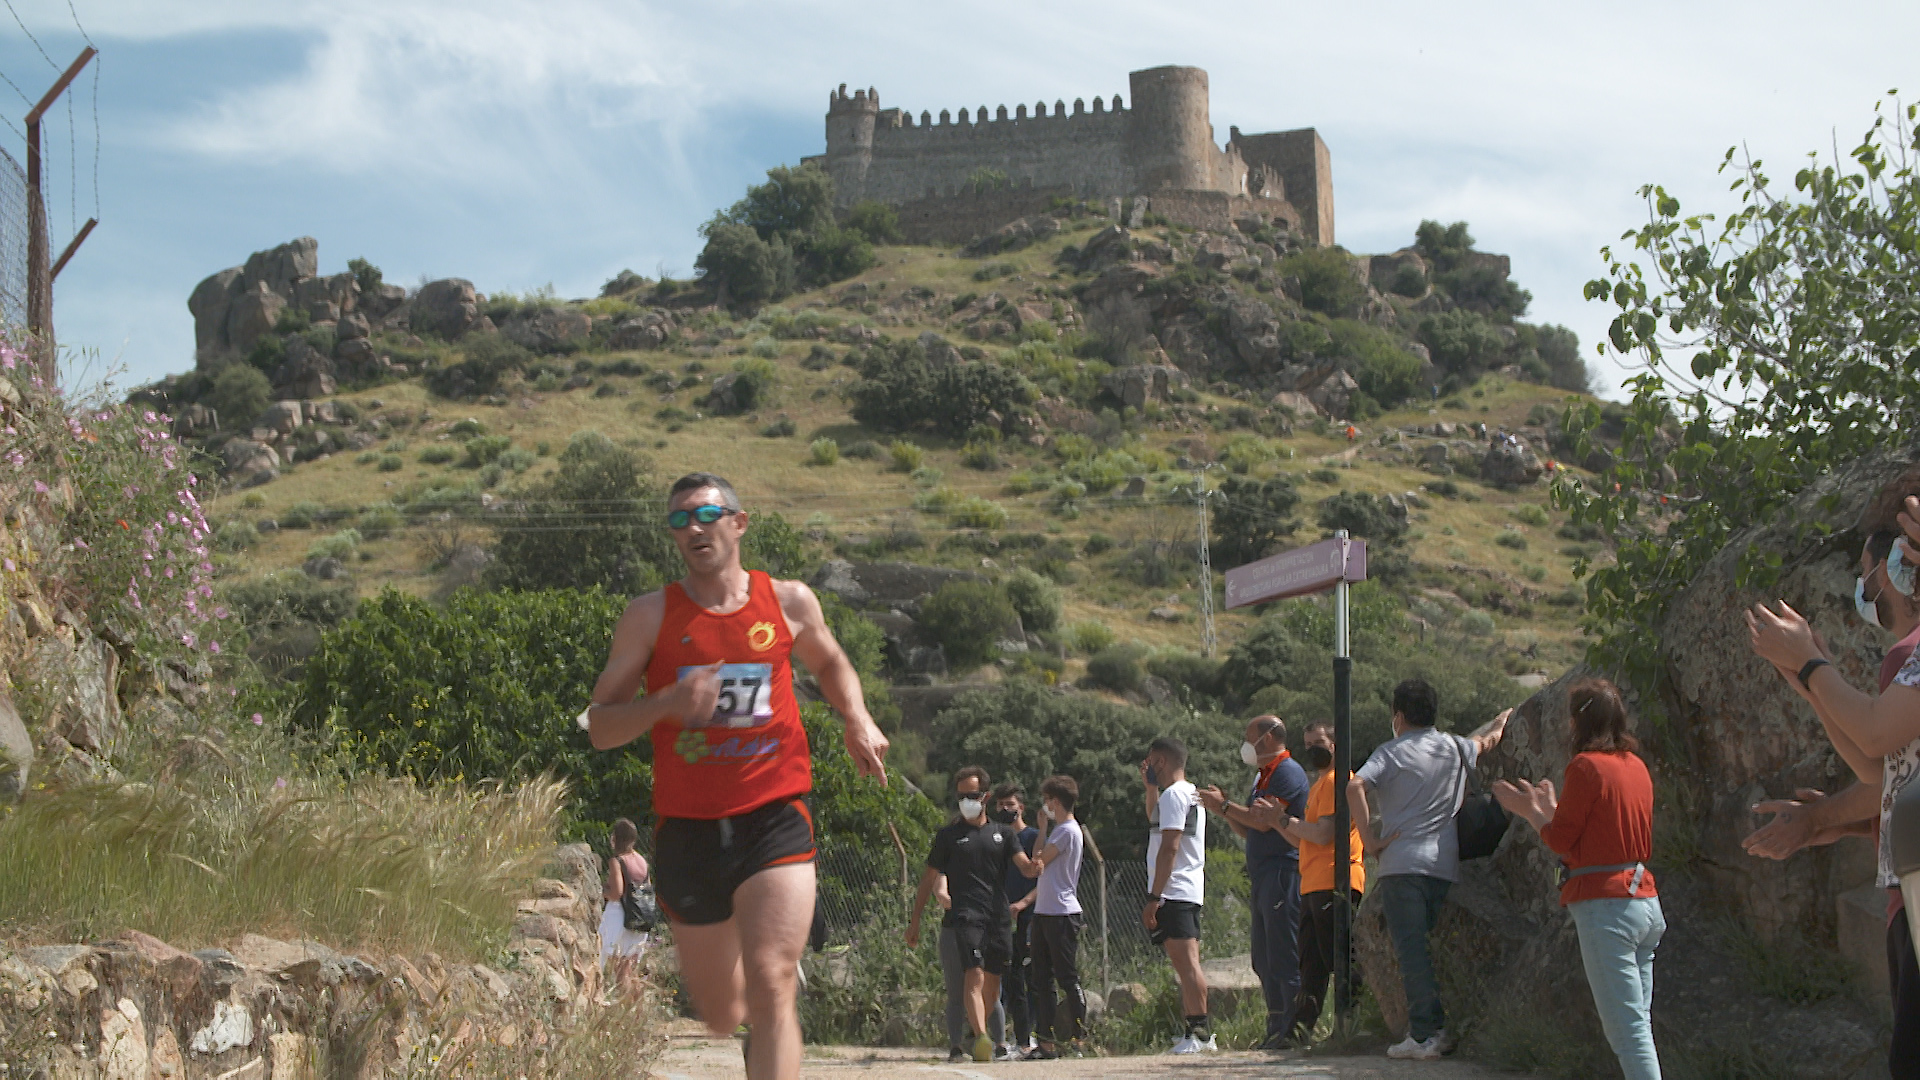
(1602, 829)
(1319, 914)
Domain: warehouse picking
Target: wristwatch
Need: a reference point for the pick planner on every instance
(1811, 666)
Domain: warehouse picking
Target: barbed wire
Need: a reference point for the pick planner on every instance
(30, 37)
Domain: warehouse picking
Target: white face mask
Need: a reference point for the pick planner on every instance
(1249, 755)
(1899, 571)
(1868, 610)
(970, 808)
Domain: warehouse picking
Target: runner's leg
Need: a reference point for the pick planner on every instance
(773, 910)
(710, 969)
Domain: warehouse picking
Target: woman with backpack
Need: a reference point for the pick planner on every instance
(1601, 826)
(620, 941)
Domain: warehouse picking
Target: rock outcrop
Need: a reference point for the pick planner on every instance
(131, 1006)
(233, 308)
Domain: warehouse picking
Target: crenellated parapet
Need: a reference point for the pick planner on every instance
(1162, 143)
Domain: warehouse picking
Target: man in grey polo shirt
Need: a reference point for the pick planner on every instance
(1417, 780)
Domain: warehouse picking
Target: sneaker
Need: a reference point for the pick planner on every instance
(1040, 1053)
(983, 1049)
(1210, 1046)
(1409, 1050)
(955, 1055)
(1447, 1042)
(1005, 1053)
(1187, 1045)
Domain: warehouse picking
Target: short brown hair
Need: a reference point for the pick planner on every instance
(1062, 789)
(1010, 788)
(1883, 513)
(1599, 718)
(625, 834)
(1319, 725)
(972, 772)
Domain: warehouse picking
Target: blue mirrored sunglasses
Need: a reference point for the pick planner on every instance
(705, 515)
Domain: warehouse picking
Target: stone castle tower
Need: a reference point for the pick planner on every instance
(1159, 153)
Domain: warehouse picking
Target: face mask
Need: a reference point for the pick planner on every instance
(1004, 817)
(1319, 757)
(969, 808)
(1868, 610)
(1899, 570)
(1248, 754)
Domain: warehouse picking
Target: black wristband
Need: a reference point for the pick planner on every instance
(1811, 666)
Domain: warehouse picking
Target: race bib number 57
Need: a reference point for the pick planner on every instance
(746, 695)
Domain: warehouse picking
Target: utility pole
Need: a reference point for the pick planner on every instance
(39, 274)
(1207, 639)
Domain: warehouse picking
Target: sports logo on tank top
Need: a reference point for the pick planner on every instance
(761, 636)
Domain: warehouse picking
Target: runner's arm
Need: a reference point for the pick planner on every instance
(814, 645)
(614, 718)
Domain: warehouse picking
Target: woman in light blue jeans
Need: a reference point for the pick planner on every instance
(1601, 826)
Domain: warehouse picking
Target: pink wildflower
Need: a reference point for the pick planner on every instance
(213, 647)
(188, 640)
(258, 719)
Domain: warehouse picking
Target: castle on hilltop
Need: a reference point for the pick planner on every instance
(955, 178)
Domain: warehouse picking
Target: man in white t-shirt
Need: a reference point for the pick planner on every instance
(1176, 876)
(1057, 921)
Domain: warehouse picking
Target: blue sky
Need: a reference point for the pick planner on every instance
(520, 144)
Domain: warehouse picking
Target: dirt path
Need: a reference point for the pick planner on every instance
(695, 1056)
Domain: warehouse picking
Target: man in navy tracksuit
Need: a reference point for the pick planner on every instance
(1273, 867)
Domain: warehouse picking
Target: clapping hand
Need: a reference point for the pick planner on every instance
(1783, 638)
(1535, 802)
(1212, 798)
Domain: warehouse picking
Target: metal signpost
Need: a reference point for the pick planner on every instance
(1330, 564)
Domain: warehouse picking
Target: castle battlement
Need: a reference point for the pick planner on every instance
(1164, 143)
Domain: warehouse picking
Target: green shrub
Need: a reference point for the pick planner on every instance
(906, 456)
(467, 428)
(1098, 544)
(1476, 624)
(823, 452)
(489, 357)
(765, 349)
(379, 520)
(1462, 343)
(240, 393)
(1365, 517)
(967, 618)
(1252, 517)
(1118, 668)
(392, 463)
(483, 449)
(1509, 538)
(367, 457)
(628, 549)
(1089, 637)
(236, 535)
(879, 222)
(339, 545)
(303, 515)
(438, 454)
(977, 512)
(780, 429)
(1530, 514)
(1329, 282)
(901, 389)
(984, 456)
(518, 459)
(286, 597)
(1324, 476)
(1035, 598)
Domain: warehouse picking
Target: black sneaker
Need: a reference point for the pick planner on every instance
(1040, 1053)
(956, 1055)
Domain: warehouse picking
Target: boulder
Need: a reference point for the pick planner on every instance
(306, 372)
(284, 417)
(82, 683)
(381, 302)
(1297, 403)
(1252, 331)
(637, 334)
(1139, 384)
(1510, 461)
(886, 584)
(244, 457)
(1014, 235)
(1333, 395)
(281, 268)
(253, 313)
(447, 308)
(209, 304)
(16, 751)
(1110, 245)
(548, 329)
(195, 419)
(322, 412)
(1126, 997)
(1218, 253)
(351, 327)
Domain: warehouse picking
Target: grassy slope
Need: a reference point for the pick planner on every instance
(864, 497)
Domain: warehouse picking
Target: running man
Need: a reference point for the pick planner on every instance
(733, 849)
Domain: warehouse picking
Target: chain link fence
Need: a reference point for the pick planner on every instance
(15, 229)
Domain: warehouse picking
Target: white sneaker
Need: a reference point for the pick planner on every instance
(1210, 1046)
(1187, 1045)
(1409, 1050)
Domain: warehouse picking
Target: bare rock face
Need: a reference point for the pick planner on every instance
(16, 752)
(548, 329)
(1749, 735)
(448, 308)
(232, 308)
(1138, 384)
(79, 682)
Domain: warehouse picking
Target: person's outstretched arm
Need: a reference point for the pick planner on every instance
(814, 645)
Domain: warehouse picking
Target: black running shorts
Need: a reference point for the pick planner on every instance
(697, 864)
(1177, 919)
(988, 947)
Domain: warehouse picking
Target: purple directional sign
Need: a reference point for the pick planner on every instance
(1304, 570)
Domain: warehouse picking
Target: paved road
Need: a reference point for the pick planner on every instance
(694, 1056)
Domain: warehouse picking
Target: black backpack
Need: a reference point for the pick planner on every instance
(638, 909)
(1481, 821)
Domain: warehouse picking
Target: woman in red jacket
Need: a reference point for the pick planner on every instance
(1601, 826)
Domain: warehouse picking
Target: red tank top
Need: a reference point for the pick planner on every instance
(754, 750)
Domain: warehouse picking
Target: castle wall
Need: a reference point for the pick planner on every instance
(1305, 168)
(959, 217)
(1215, 211)
(1083, 152)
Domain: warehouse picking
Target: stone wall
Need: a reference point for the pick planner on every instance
(1304, 167)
